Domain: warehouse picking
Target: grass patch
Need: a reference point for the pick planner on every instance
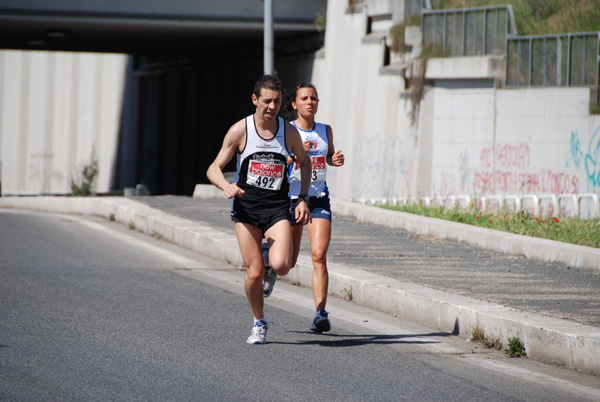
(396, 33)
(537, 17)
(347, 294)
(582, 232)
(478, 335)
(83, 185)
(515, 348)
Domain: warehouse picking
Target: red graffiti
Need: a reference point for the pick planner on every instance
(507, 156)
(448, 185)
(512, 175)
(515, 156)
(547, 182)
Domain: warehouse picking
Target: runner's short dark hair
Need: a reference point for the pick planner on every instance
(271, 82)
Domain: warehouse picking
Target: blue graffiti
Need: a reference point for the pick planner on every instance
(576, 152)
(592, 159)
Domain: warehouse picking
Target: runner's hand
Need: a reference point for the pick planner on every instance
(303, 213)
(306, 145)
(337, 159)
(232, 190)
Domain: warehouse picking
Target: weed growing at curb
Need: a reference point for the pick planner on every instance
(478, 335)
(515, 348)
(83, 185)
(131, 225)
(347, 293)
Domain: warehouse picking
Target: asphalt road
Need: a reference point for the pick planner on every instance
(93, 311)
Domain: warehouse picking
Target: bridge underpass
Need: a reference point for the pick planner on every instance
(191, 69)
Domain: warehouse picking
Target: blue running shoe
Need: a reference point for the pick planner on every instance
(321, 322)
(270, 275)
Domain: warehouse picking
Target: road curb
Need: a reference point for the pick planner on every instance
(553, 340)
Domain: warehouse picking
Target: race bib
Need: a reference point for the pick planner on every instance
(267, 175)
(319, 169)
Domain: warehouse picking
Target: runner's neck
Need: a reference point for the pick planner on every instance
(304, 124)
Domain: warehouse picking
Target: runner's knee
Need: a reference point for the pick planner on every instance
(255, 275)
(281, 266)
(319, 257)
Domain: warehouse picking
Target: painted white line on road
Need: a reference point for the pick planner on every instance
(159, 252)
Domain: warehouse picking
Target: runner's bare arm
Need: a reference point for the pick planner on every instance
(295, 141)
(292, 137)
(334, 158)
(232, 143)
(306, 145)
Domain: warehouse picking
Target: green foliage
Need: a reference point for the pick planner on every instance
(396, 33)
(478, 335)
(347, 293)
(595, 106)
(537, 17)
(515, 348)
(83, 186)
(583, 232)
(321, 20)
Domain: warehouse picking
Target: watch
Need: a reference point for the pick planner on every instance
(304, 197)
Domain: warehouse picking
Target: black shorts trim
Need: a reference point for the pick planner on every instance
(262, 221)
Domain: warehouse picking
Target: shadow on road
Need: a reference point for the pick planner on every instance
(345, 340)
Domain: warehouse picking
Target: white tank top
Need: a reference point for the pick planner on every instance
(318, 155)
(261, 171)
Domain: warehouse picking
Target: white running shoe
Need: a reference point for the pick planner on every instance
(258, 334)
(270, 275)
(321, 323)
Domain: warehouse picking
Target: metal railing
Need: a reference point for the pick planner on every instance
(469, 31)
(553, 60)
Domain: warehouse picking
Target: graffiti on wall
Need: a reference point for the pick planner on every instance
(592, 161)
(464, 168)
(42, 173)
(590, 158)
(447, 184)
(512, 173)
(575, 150)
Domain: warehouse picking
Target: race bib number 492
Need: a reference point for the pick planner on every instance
(265, 175)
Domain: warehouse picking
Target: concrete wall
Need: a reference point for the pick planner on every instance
(519, 141)
(369, 121)
(55, 110)
(471, 139)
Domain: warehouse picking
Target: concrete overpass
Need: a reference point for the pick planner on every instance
(149, 26)
(192, 65)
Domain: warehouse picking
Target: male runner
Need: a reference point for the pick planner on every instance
(261, 205)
